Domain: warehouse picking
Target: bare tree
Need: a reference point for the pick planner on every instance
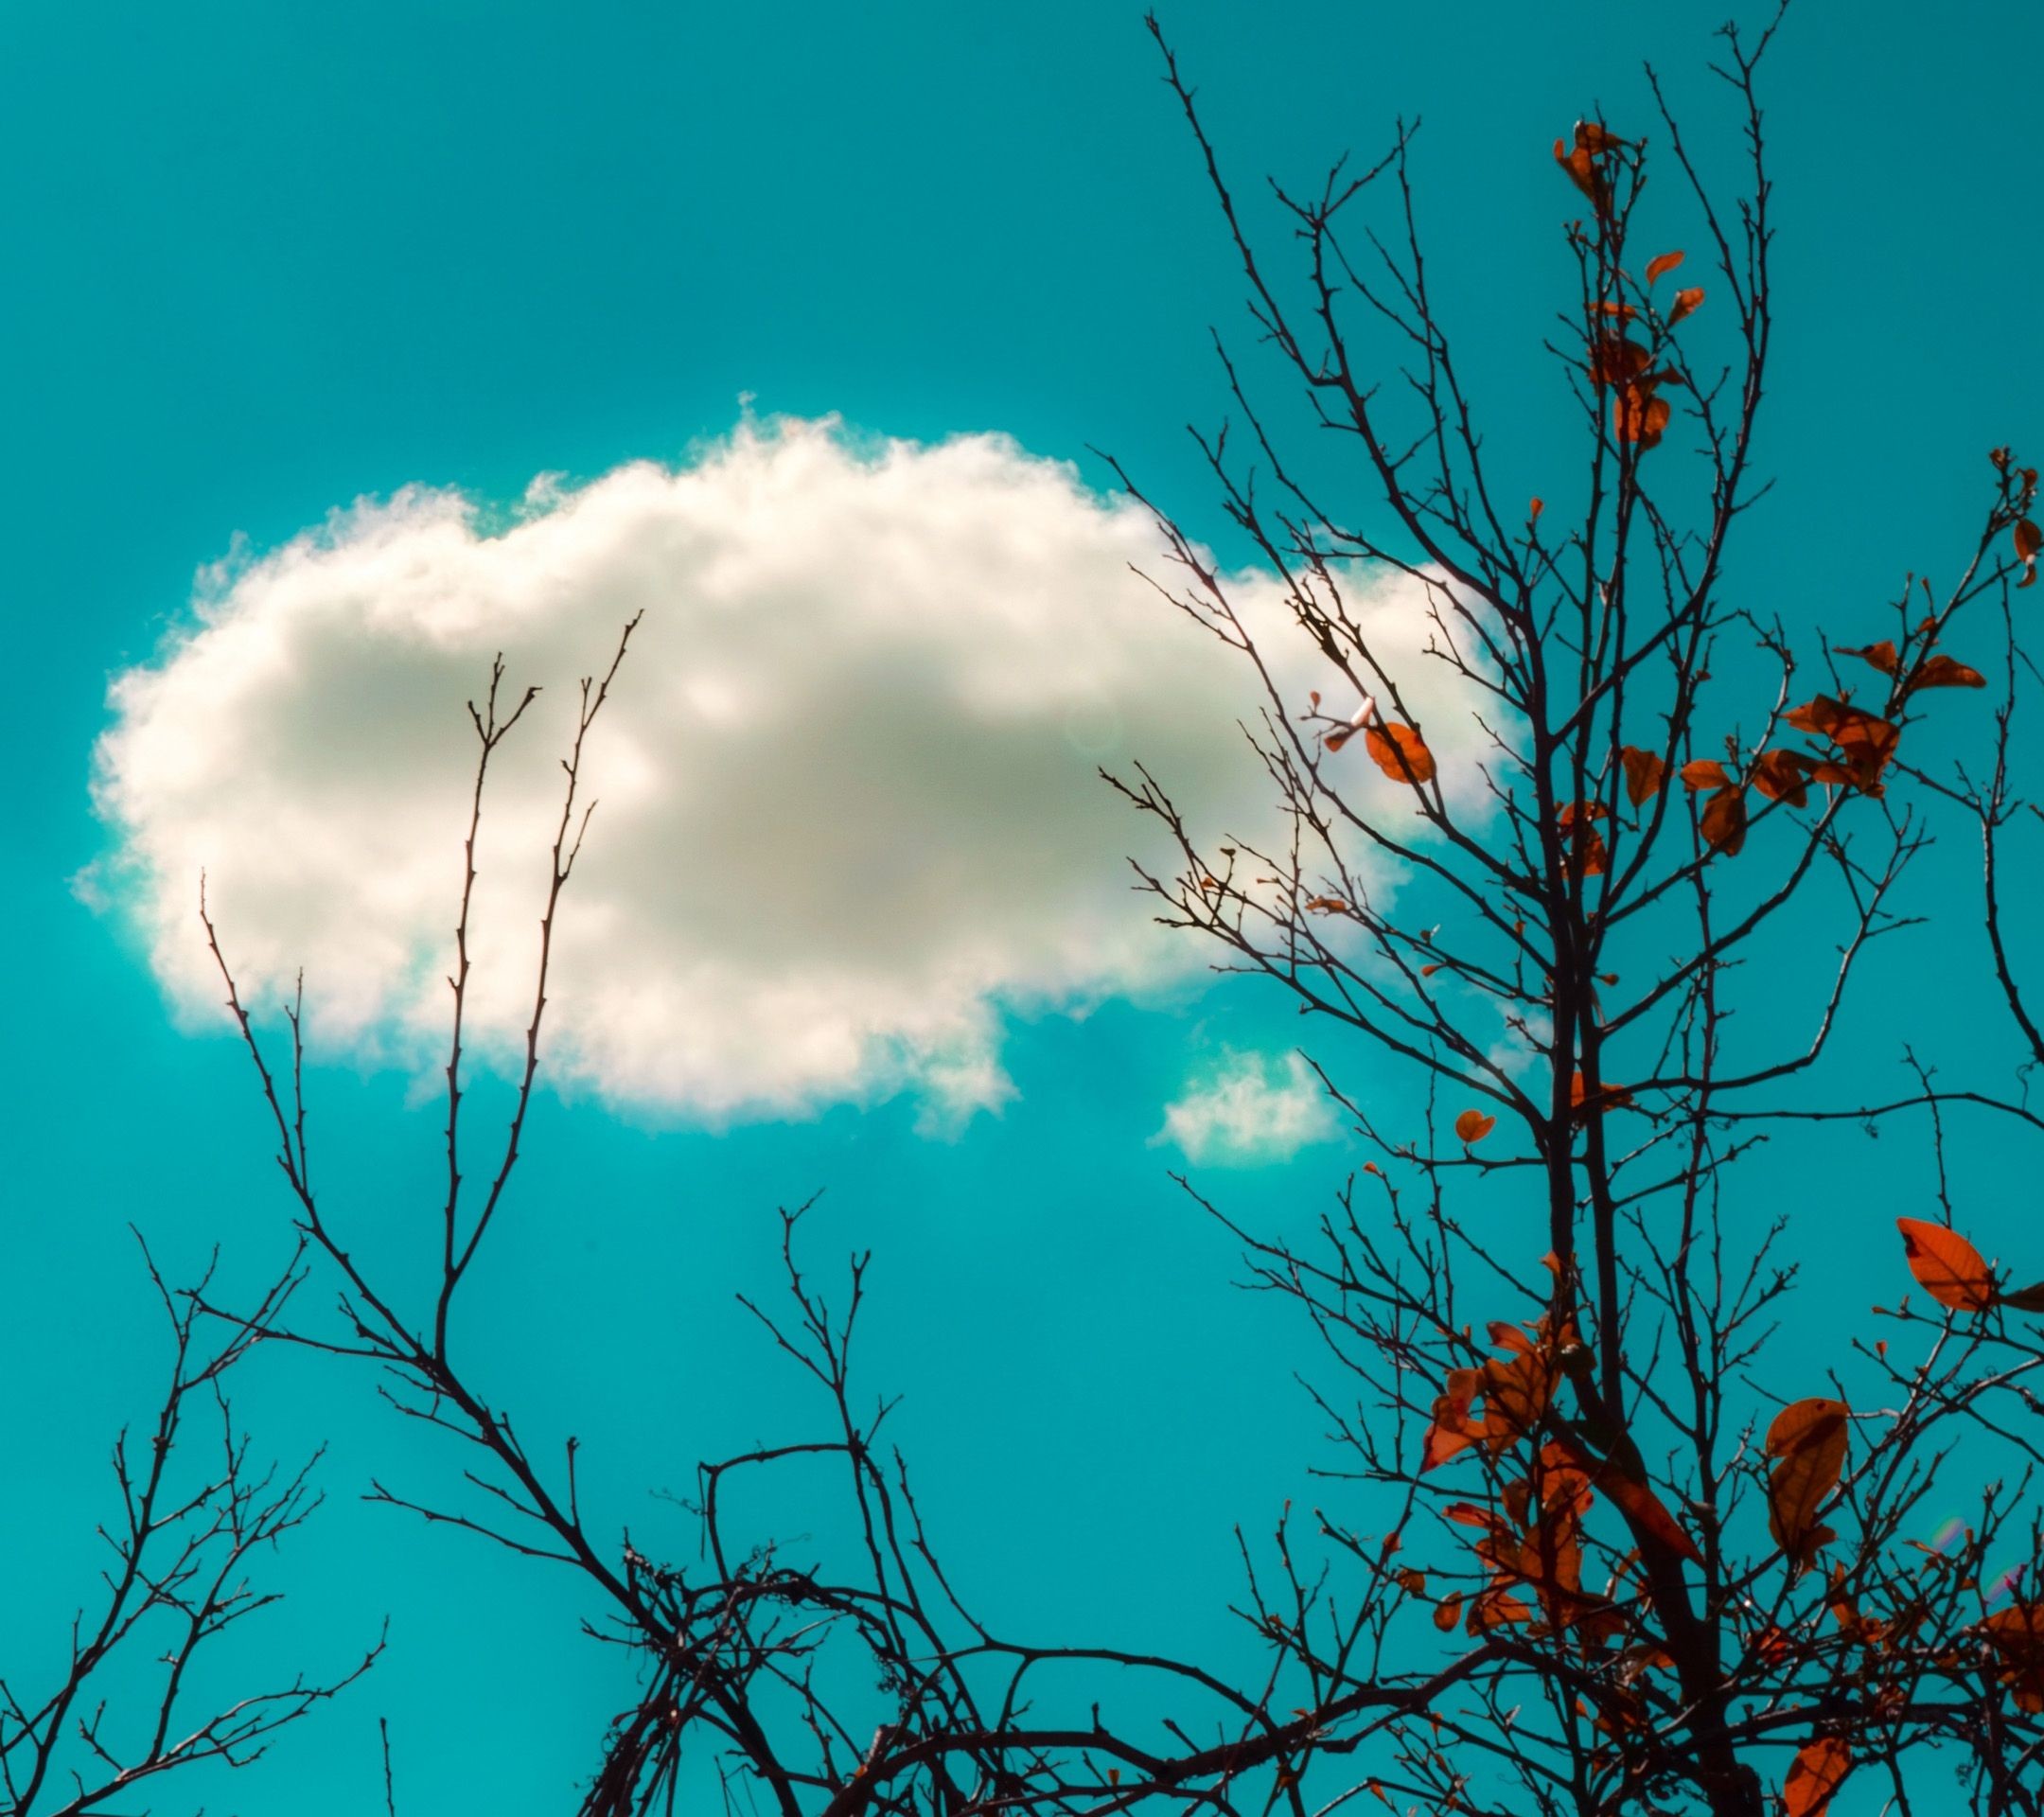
(1627, 1568)
(122, 1709)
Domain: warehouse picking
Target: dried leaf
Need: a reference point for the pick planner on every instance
(1473, 1125)
(1945, 672)
(1448, 1611)
(1882, 655)
(1704, 773)
(1644, 774)
(2029, 541)
(2024, 1299)
(1401, 753)
(1686, 303)
(1581, 166)
(1639, 415)
(1608, 1098)
(2015, 1636)
(1808, 1442)
(1817, 1772)
(1724, 822)
(1781, 776)
(1616, 361)
(1664, 262)
(1946, 1266)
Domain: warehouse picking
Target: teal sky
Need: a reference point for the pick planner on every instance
(268, 260)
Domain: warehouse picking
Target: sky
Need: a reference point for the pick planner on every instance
(377, 342)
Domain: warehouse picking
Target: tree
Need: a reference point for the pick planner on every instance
(1633, 1568)
(132, 1697)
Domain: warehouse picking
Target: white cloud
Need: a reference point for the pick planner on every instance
(849, 808)
(1253, 1107)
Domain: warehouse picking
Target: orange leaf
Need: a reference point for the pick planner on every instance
(1779, 776)
(1686, 303)
(1666, 262)
(1818, 1771)
(1616, 361)
(1591, 136)
(2029, 541)
(1608, 1098)
(1401, 753)
(1945, 672)
(1639, 415)
(1881, 655)
(1649, 1514)
(1947, 1267)
(1808, 1442)
(1581, 170)
(1724, 822)
(1644, 774)
(1534, 510)
(1449, 1612)
(2016, 1636)
(1473, 1125)
(1704, 773)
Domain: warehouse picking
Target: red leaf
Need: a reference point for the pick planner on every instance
(1881, 655)
(1664, 262)
(1780, 776)
(1644, 774)
(1808, 1442)
(1401, 753)
(1947, 1267)
(1945, 672)
(1818, 1771)
(1724, 822)
(1639, 415)
(1473, 1125)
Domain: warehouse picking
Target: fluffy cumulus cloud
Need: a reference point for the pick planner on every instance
(1252, 1108)
(849, 808)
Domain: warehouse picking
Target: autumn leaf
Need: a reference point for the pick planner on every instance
(1946, 1266)
(1401, 753)
(2024, 1299)
(1724, 822)
(1581, 167)
(1686, 303)
(2015, 1636)
(1817, 1772)
(1608, 1098)
(1633, 1497)
(1616, 361)
(1644, 774)
(1639, 415)
(1945, 672)
(1473, 1125)
(1807, 1443)
(1782, 776)
(1882, 655)
(1865, 741)
(1448, 1611)
(2029, 541)
(1587, 854)
(1663, 262)
(1704, 773)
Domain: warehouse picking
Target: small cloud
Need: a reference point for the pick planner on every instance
(1254, 1108)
